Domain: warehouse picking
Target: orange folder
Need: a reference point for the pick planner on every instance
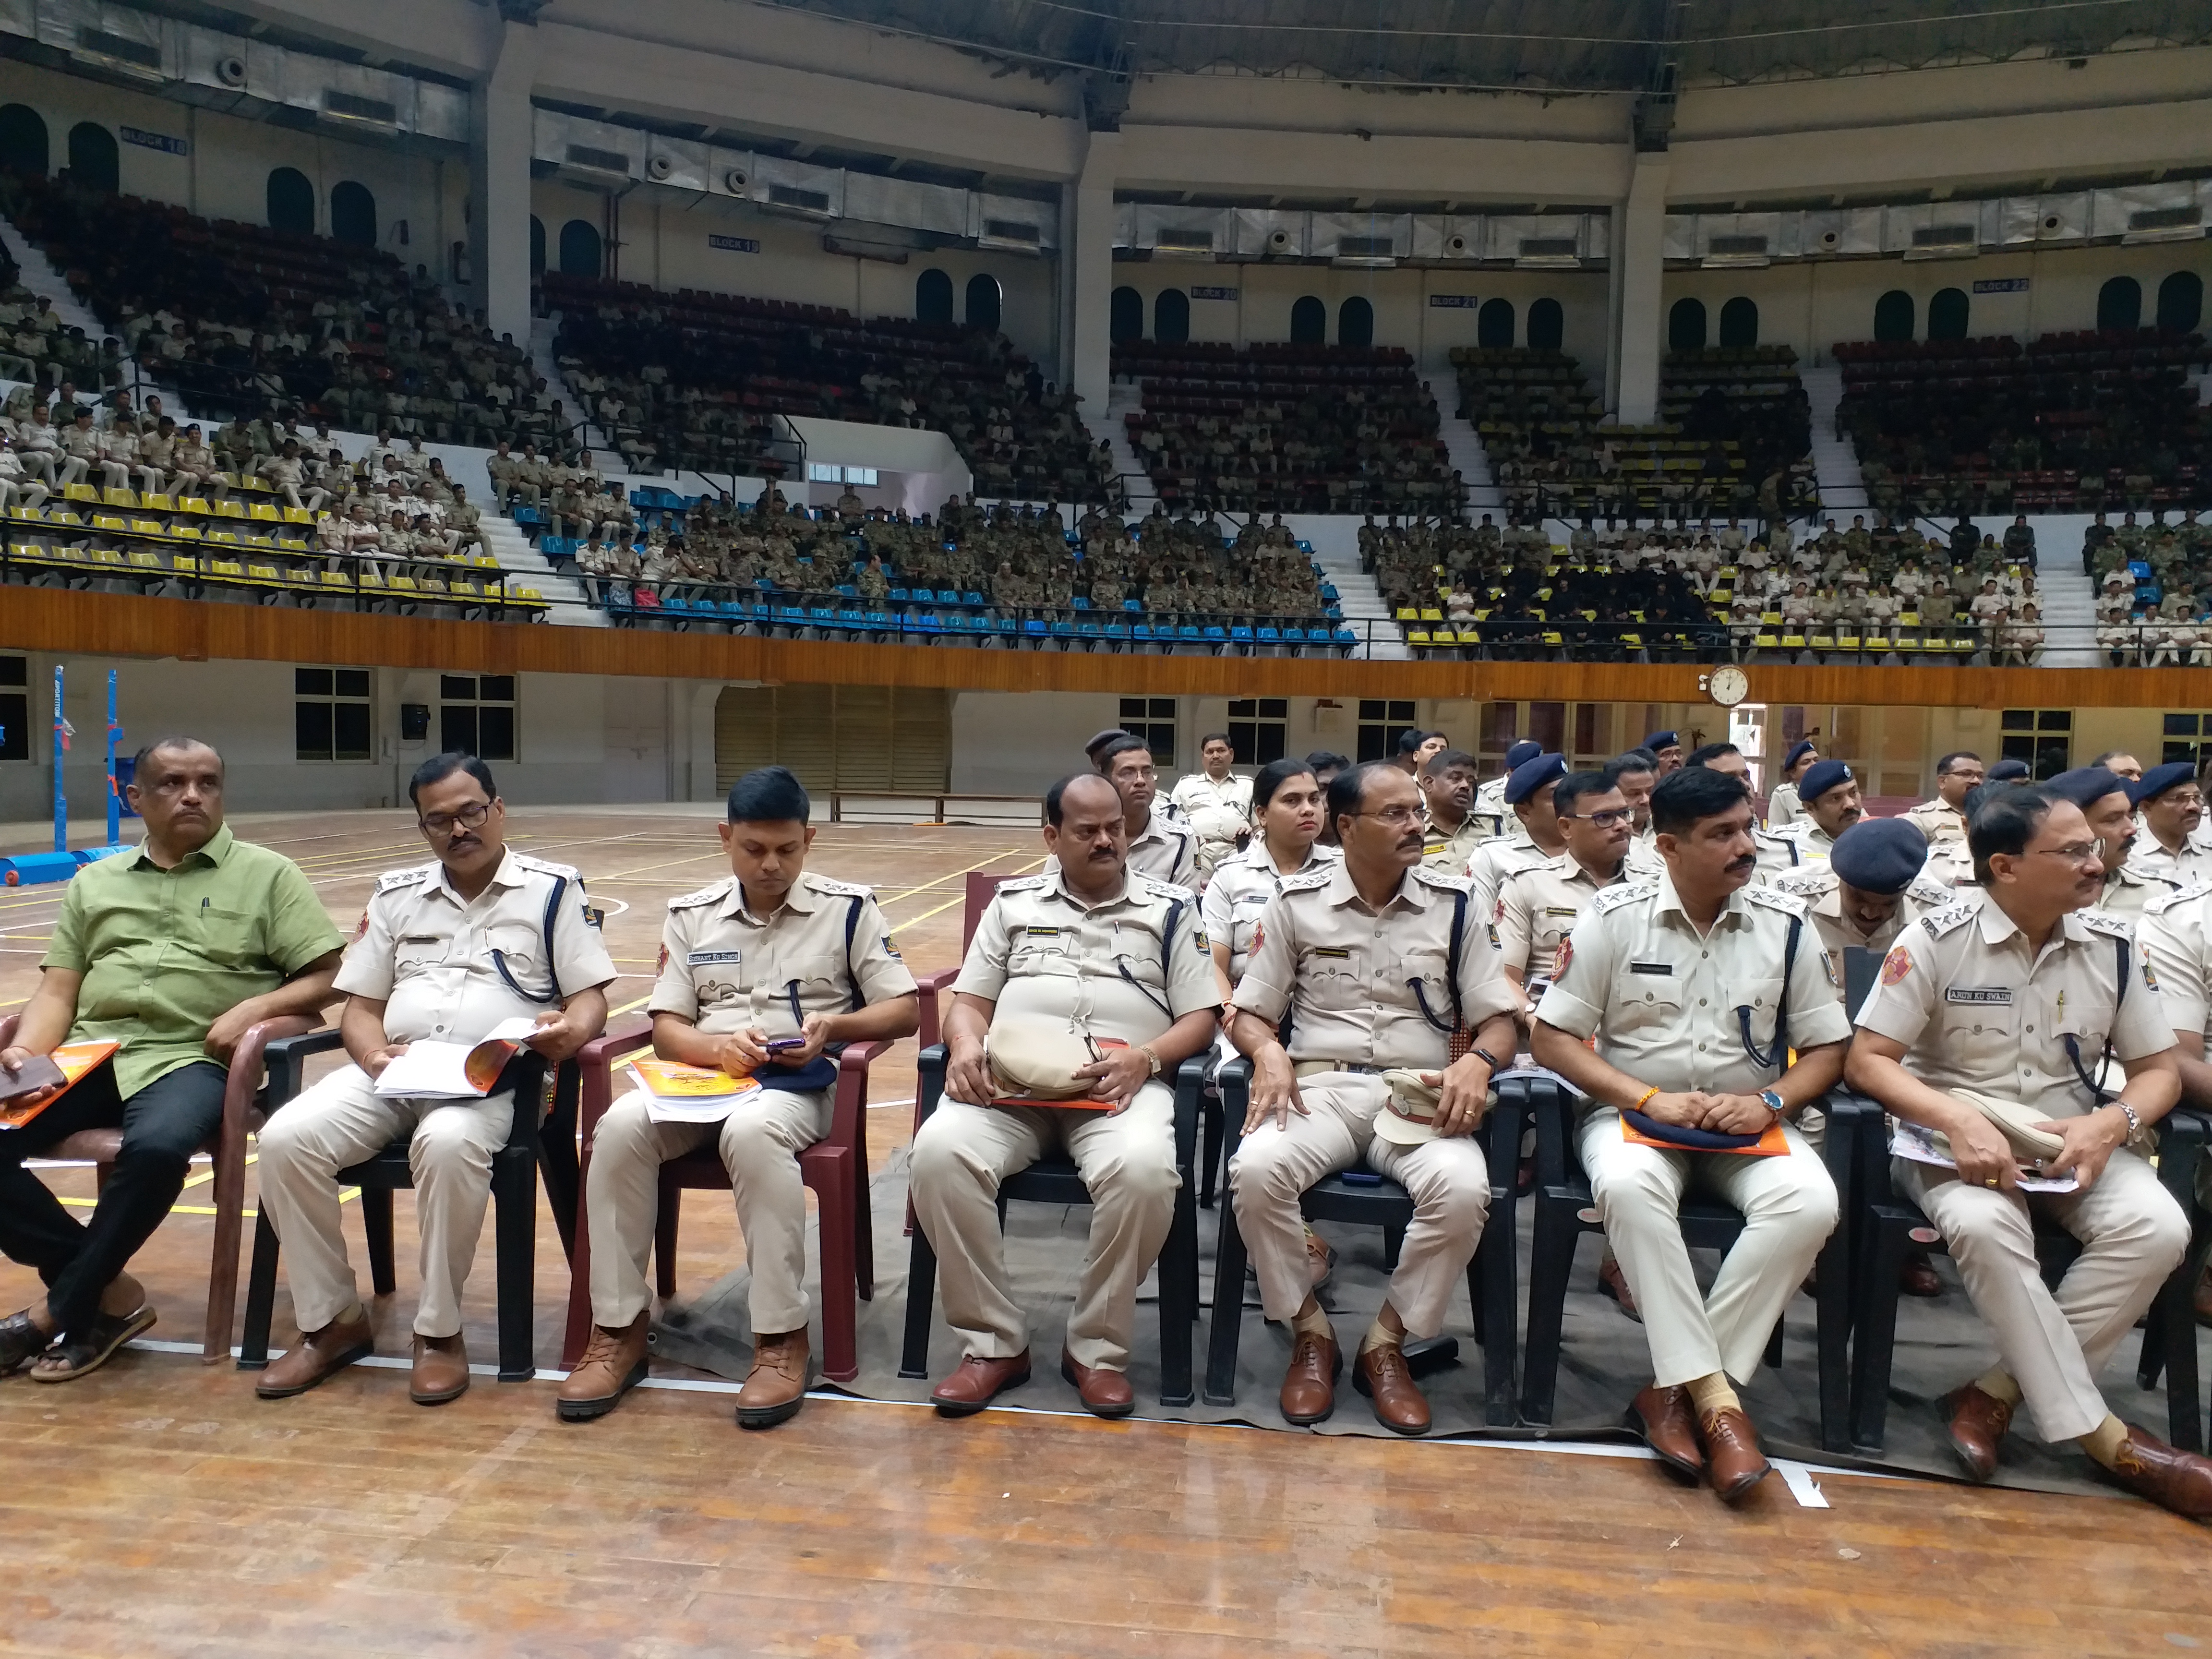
(76, 1060)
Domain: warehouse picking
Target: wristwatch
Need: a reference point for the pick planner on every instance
(1773, 1103)
(1153, 1054)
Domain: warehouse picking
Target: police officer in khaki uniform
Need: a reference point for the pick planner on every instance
(1665, 749)
(1450, 829)
(1867, 890)
(1090, 949)
(2107, 802)
(1490, 807)
(1783, 806)
(1697, 986)
(1830, 796)
(2010, 1007)
(1538, 908)
(772, 954)
(2170, 805)
(1378, 960)
(1529, 794)
(1166, 852)
(1775, 854)
(1216, 802)
(1944, 818)
(2176, 932)
(445, 953)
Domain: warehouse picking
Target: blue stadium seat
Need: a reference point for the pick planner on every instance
(973, 599)
(1133, 607)
(929, 622)
(2139, 570)
(1034, 629)
(1345, 636)
(899, 595)
(1188, 631)
(947, 596)
(1141, 632)
(1241, 635)
(846, 590)
(1215, 634)
(1117, 630)
(1063, 630)
(1272, 635)
(1089, 631)
(1079, 603)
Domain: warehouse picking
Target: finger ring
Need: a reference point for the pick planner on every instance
(1992, 1182)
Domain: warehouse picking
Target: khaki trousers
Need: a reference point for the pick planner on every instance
(759, 1144)
(1126, 1159)
(2055, 1345)
(340, 1121)
(1789, 1208)
(1448, 1179)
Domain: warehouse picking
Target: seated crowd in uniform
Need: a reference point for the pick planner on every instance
(1380, 941)
(2154, 593)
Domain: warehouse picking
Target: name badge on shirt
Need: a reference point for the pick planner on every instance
(708, 958)
(1664, 968)
(1336, 951)
(1041, 933)
(1561, 910)
(1980, 995)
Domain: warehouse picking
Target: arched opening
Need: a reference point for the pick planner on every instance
(1740, 322)
(1355, 322)
(580, 249)
(2181, 300)
(1548, 325)
(537, 245)
(22, 140)
(2119, 304)
(92, 160)
(1686, 326)
(291, 202)
(1946, 314)
(1893, 316)
(985, 300)
(932, 297)
(1309, 321)
(1494, 323)
(1171, 317)
(353, 213)
(1125, 315)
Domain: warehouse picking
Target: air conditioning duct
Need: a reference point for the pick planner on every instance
(1548, 253)
(1366, 253)
(1952, 241)
(591, 159)
(139, 59)
(2173, 224)
(1737, 253)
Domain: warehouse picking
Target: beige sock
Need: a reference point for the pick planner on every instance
(1380, 1335)
(2103, 1441)
(1998, 1384)
(1713, 1394)
(1313, 1324)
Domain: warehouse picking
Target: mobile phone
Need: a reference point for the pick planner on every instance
(779, 1045)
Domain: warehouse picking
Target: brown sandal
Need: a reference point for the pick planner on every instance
(77, 1355)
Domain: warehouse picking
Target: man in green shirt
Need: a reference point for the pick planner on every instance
(172, 950)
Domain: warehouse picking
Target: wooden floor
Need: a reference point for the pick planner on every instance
(159, 1507)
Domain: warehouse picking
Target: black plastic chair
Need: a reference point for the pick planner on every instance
(1491, 1281)
(1565, 1210)
(1055, 1181)
(1892, 1224)
(514, 1197)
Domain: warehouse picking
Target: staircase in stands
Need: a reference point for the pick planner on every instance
(1835, 462)
(1335, 543)
(1464, 445)
(1124, 397)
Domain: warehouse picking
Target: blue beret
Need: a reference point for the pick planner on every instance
(2085, 785)
(2007, 771)
(1879, 855)
(1531, 775)
(1798, 750)
(1659, 740)
(1522, 753)
(2160, 779)
(1821, 778)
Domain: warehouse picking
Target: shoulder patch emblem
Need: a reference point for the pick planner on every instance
(1259, 937)
(1566, 960)
(662, 967)
(1896, 965)
(2150, 979)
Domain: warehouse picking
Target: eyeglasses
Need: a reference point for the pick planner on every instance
(469, 817)
(1395, 815)
(1609, 820)
(2075, 852)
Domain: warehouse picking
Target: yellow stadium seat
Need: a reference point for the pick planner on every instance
(265, 511)
(1772, 616)
(298, 515)
(265, 572)
(1767, 641)
(230, 509)
(1823, 642)
(1552, 637)
(1432, 615)
(149, 528)
(221, 567)
(369, 577)
(79, 492)
(1407, 613)
(185, 565)
(1847, 641)
(119, 497)
(145, 561)
(1877, 642)
(158, 503)
(193, 504)
(1793, 641)
(108, 522)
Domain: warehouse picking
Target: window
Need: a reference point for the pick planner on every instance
(331, 713)
(985, 301)
(291, 202)
(94, 162)
(2119, 304)
(1256, 727)
(830, 472)
(1686, 326)
(1740, 322)
(1171, 317)
(1355, 322)
(1501, 729)
(1548, 325)
(2181, 300)
(22, 140)
(1547, 727)
(1946, 314)
(1125, 315)
(1152, 718)
(353, 214)
(933, 298)
(15, 708)
(1893, 316)
(1309, 321)
(1379, 723)
(478, 715)
(2188, 737)
(1494, 323)
(580, 249)
(2044, 737)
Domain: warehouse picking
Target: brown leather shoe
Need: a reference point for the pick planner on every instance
(1105, 1392)
(1309, 1383)
(1380, 1374)
(1978, 1420)
(1612, 1282)
(1320, 1261)
(2204, 1298)
(977, 1382)
(2178, 1480)
(776, 1385)
(1734, 1461)
(613, 1364)
(1669, 1427)
(441, 1369)
(317, 1356)
(1917, 1277)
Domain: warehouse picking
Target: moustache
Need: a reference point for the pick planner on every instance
(1748, 861)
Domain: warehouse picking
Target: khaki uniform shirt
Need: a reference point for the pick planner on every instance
(1219, 811)
(1822, 889)
(825, 950)
(1783, 807)
(2176, 934)
(1241, 888)
(2192, 864)
(1664, 1004)
(1166, 852)
(1960, 991)
(165, 953)
(1490, 864)
(1450, 850)
(1127, 969)
(1939, 820)
(1778, 855)
(428, 956)
(1490, 802)
(1366, 986)
(1538, 908)
(2128, 891)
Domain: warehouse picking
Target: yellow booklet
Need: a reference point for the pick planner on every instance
(688, 1094)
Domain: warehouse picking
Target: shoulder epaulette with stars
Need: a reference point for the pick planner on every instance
(831, 885)
(1429, 876)
(712, 894)
(1925, 890)
(2103, 922)
(1306, 880)
(2164, 901)
(1806, 881)
(547, 867)
(1940, 922)
(393, 879)
(1613, 898)
(1775, 899)
(1025, 884)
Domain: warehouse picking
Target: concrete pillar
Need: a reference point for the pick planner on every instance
(1641, 254)
(499, 185)
(1091, 260)
(1615, 230)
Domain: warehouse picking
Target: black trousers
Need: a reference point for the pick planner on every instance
(163, 1125)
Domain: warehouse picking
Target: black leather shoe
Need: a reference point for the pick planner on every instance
(20, 1342)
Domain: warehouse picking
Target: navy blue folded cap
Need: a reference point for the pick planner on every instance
(1520, 753)
(1690, 1140)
